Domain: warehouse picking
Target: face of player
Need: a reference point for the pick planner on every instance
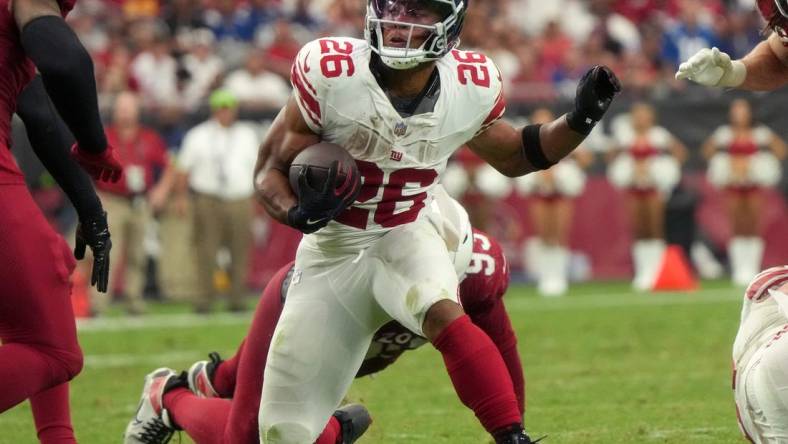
(416, 12)
(740, 113)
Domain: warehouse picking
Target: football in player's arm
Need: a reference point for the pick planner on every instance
(763, 69)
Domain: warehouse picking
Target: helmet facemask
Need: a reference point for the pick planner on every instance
(437, 22)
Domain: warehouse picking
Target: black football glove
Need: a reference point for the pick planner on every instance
(95, 233)
(316, 208)
(595, 92)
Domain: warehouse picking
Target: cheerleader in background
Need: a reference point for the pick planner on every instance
(552, 193)
(743, 159)
(647, 164)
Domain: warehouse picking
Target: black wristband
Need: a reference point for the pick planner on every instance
(579, 122)
(532, 147)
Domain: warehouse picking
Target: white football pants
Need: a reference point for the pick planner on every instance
(335, 303)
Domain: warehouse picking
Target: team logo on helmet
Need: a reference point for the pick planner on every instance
(405, 33)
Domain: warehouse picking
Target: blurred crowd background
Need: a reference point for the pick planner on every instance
(159, 64)
(174, 52)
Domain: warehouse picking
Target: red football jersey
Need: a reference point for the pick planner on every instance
(487, 276)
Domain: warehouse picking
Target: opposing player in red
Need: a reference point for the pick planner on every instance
(217, 401)
(763, 69)
(39, 351)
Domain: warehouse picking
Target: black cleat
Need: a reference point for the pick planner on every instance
(354, 420)
(515, 435)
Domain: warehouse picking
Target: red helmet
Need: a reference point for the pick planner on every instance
(775, 12)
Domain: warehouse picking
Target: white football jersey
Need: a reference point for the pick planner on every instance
(762, 317)
(400, 159)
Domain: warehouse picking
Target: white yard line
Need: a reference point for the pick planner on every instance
(116, 360)
(175, 320)
(589, 301)
(621, 300)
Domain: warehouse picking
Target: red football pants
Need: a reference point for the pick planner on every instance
(37, 326)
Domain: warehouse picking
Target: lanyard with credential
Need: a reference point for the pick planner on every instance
(222, 155)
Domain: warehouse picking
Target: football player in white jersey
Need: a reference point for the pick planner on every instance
(190, 403)
(760, 359)
(763, 69)
(400, 102)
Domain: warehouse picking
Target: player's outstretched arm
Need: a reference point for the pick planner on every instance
(68, 76)
(50, 141)
(288, 136)
(763, 69)
(515, 152)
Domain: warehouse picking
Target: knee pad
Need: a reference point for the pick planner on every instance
(285, 433)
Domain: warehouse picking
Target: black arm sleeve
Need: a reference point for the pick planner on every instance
(50, 140)
(67, 71)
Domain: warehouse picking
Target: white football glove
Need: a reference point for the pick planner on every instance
(712, 67)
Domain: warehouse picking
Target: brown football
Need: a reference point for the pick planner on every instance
(317, 160)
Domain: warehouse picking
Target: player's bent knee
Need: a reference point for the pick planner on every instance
(74, 365)
(286, 433)
(72, 362)
(439, 316)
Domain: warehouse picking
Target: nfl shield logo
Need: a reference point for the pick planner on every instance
(399, 129)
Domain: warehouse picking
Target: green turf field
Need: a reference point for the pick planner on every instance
(603, 365)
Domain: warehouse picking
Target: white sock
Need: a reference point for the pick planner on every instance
(532, 256)
(655, 254)
(753, 257)
(737, 256)
(639, 253)
(552, 279)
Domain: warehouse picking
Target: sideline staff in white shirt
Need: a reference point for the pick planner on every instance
(216, 164)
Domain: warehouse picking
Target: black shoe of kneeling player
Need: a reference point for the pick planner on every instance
(354, 420)
(514, 435)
